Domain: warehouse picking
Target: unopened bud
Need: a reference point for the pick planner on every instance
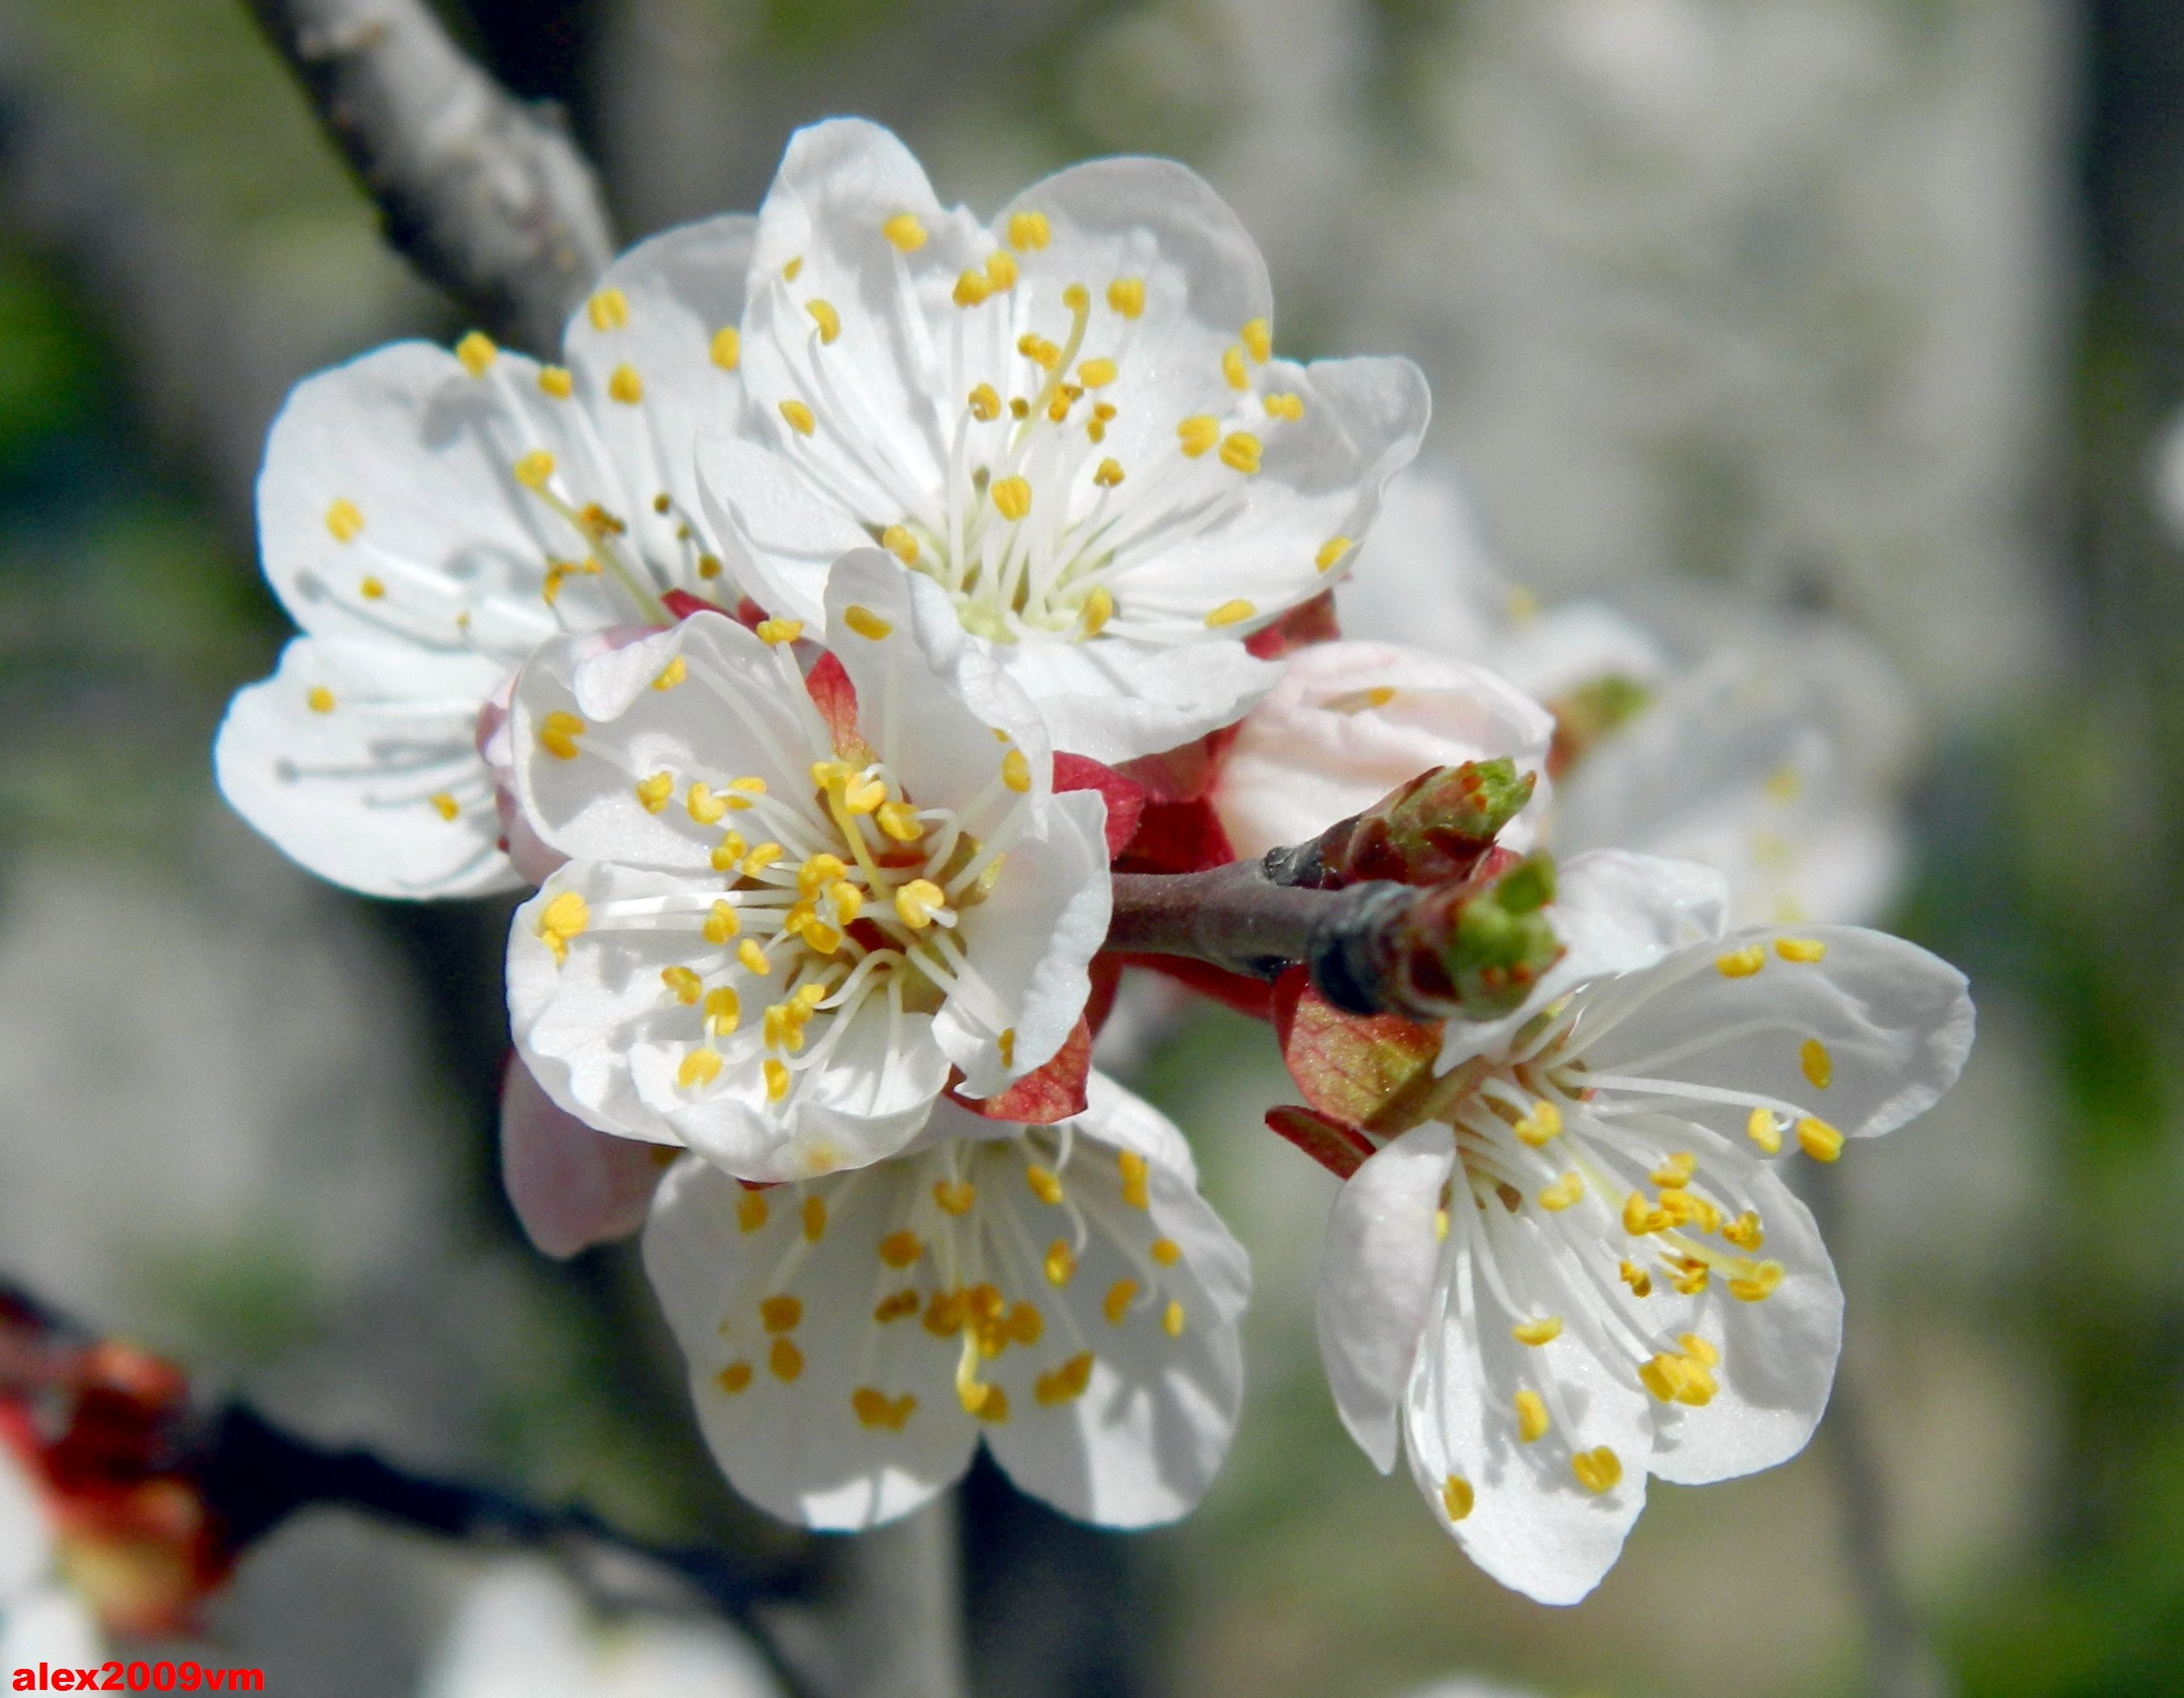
(1459, 952)
(1434, 830)
(1593, 710)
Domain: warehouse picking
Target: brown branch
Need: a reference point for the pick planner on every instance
(487, 197)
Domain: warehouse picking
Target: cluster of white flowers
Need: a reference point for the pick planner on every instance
(788, 638)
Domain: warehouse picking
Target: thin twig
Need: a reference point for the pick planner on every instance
(487, 197)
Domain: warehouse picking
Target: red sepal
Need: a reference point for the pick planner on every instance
(682, 603)
(1308, 621)
(1047, 1094)
(1125, 796)
(1185, 772)
(1254, 997)
(1106, 975)
(1340, 1150)
(1177, 837)
(1370, 1070)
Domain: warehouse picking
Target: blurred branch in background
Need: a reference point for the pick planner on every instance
(490, 200)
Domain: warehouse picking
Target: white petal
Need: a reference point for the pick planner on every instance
(1377, 1274)
(571, 1187)
(781, 535)
(48, 1624)
(26, 1540)
(1118, 699)
(1350, 722)
(355, 788)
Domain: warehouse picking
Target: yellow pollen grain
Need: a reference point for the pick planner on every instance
(734, 1379)
(917, 901)
(608, 309)
(1701, 1349)
(1563, 1192)
(1198, 433)
(1640, 1282)
(566, 916)
(656, 791)
(1531, 1416)
(1067, 1382)
(1012, 498)
(1744, 1232)
(1016, 771)
(1544, 1331)
(1809, 951)
(1000, 271)
(1759, 1285)
(773, 633)
(1061, 1263)
(625, 386)
(708, 565)
(727, 856)
(1233, 369)
(1813, 1061)
(1097, 373)
(1029, 232)
(344, 519)
(865, 623)
(1229, 613)
(898, 1249)
(984, 403)
(897, 541)
(1675, 1171)
(798, 417)
(705, 807)
(1331, 551)
(721, 923)
(776, 1079)
(782, 1313)
(673, 673)
(899, 821)
(1135, 1174)
(685, 985)
(1240, 452)
(1542, 1125)
(1288, 407)
(1109, 474)
(786, 1361)
(532, 470)
(905, 231)
(1126, 296)
(723, 1011)
(753, 957)
(371, 589)
(1166, 1251)
(955, 1196)
(764, 855)
(444, 804)
(972, 288)
(700, 1066)
(555, 380)
(1258, 337)
(1742, 964)
(1457, 1496)
(1817, 1139)
(1117, 1303)
(319, 699)
(826, 319)
(1099, 608)
(1044, 1184)
(1760, 1127)
(1171, 1319)
(1597, 1470)
(814, 1218)
(727, 348)
(875, 1408)
(477, 353)
(1640, 1216)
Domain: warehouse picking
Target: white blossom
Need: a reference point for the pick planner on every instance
(776, 933)
(1062, 1292)
(1072, 419)
(41, 1620)
(1587, 1267)
(430, 518)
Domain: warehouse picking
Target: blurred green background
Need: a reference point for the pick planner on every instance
(1875, 306)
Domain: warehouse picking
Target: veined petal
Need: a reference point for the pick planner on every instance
(358, 759)
(1118, 699)
(1378, 1268)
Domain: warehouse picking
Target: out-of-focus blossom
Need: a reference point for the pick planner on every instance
(794, 908)
(42, 1619)
(1062, 1292)
(524, 1631)
(1582, 1268)
(430, 518)
(1072, 420)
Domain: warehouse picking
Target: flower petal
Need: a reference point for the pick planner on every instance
(571, 1187)
(1118, 699)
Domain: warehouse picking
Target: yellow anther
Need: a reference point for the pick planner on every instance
(985, 404)
(1044, 1185)
(655, 792)
(700, 1066)
(1742, 964)
(786, 1361)
(818, 871)
(799, 417)
(708, 565)
(319, 699)
(1332, 551)
(1597, 1470)
(673, 673)
(1259, 339)
(723, 1011)
(897, 541)
(734, 1379)
(1126, 296)
(782, 1313)
(1817, 1139)
(685, 985)
(555, 380)
(1232, 367)
(899, 821)
(1166, 1251)
(1135, 1174)
(1000, 271)
(705, 807)
(1701, 1349)
(814, 1219)
(918, 901)
(1028, 230)
(1117, 1303)
(751, 1211)
(1758, 1284)
(752, 957)
(864, 795)
(532, 470)
(1688, 1274)
(566, 916)
(344, 519)
(1012, 498)
(1563, 1192)
(1006, 1044)
(828, 320)
(477, 353)
(1096, 374)
(777, 1080)
(827, 774)
(1067, 1382)
(1640, 1282)
(608, 309)
(1783, 784)
(1171, 1319)
(1457, 1496)
(1759, 1126)
(1440, 1226)
(865, 623)
(728, 347)
(1229, 613)
(444, 804)
(1016, 771)
(809, 996)
(1806, 950)
(874, 1407)
(1641, 1217)
(899, 1248)
(989, 1403)
(1109, 474)
(906, 230)
(1531, 1416)
(1542, 1125)
(1290, 407)
(1198, 433)
(1061, 1263)
(790, 271)
(773, 633)
(371, 589)
(955, 1196)
(983, 885)
(1544, 1331)
(972, 288)
(1686, 1208)
(1675, 1171)
(1099, 608)
(625, 386)
(1744, 1232)
(1813, 1061)
(762, 857)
